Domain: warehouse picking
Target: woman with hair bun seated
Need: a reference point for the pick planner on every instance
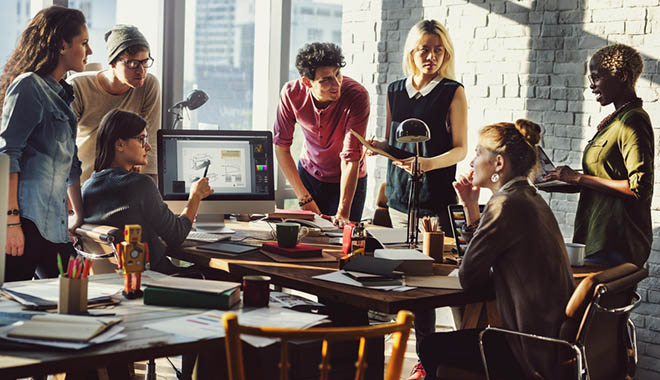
(613, 217)
(515, 247)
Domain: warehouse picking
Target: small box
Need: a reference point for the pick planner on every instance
(73, 295)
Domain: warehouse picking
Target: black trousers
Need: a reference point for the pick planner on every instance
(39, 256)
(460, 349)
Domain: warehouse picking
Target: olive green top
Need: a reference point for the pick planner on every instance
(623, 149)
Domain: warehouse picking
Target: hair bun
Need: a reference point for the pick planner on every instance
(529, 130)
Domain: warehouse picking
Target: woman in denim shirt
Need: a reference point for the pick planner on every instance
(38, 132)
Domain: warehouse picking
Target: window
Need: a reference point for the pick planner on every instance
(219, 59)
(314, 34)
(13, 19)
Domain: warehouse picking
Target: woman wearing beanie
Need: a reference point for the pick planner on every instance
(125, 85)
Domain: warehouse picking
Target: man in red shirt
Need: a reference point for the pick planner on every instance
(331, 178)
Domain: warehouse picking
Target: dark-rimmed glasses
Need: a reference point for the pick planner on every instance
(143, 139)
(134, 63)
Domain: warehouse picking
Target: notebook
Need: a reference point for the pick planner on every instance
(457, 219)
(545, 166)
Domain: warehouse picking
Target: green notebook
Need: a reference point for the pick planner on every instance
(190, 298)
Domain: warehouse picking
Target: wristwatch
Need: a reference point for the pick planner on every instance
(14, 212)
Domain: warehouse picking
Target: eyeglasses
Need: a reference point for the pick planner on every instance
(143, 139)
(134, 63)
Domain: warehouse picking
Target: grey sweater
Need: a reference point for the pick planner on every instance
(117, 197)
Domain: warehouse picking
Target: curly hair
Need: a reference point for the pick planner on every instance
(620, 58)
(516, 141)
(415, 34)
(39, 46)
(318, 54)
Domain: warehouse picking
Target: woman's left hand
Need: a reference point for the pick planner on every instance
(563, 173)
(409, 163)
(75, 221)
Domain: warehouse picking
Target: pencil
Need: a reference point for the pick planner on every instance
(206, 169)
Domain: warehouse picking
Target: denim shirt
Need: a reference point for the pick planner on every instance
(38, 132)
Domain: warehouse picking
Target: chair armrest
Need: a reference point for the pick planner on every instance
(577, 350)
(99, 233)
(619, 310)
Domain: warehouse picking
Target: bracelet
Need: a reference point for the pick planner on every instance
(14, 212)
(13, 224)
(305, 201)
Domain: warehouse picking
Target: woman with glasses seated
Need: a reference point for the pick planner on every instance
(516, 248)
(613, 217)
(124, 85)
(116, 195)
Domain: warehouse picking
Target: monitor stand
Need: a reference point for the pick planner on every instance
(212, 223)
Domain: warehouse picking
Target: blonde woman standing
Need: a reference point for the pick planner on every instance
(429, 93)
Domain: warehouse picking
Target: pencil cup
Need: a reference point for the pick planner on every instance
(434, 242)
(73, 295)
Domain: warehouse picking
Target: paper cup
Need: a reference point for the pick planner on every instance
(575, 254)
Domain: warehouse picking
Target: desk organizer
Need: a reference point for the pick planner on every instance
(73, 295)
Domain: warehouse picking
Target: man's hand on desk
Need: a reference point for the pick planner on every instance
(340, 220)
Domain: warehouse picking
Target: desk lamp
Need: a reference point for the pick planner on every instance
(195, 99)
(413, 131)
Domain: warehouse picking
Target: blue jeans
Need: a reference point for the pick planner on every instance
(605, 257)
(326, 194)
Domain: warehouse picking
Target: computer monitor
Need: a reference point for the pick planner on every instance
(239, 165)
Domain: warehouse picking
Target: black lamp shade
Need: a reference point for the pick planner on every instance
(413, 131)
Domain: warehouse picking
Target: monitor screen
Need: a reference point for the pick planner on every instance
(239, 165)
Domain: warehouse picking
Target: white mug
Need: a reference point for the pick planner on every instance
(575, 254)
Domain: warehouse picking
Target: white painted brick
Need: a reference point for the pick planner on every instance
(511, 103)
(392, 4)
(635, 27)
(554, 117)
(601, 4)
(489, 79)
(543, 92)
(512, 91)
(560, 106)
(484, 32)
(513, 31)
(558, 93)
(539, 104)
(480, 91)
(640, 3)
(615, 27)
(571, 17)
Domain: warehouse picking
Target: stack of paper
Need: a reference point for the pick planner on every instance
(65, 331)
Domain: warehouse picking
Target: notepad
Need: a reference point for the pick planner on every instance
(68, 328)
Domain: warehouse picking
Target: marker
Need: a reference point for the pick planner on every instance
(59, 265)
(206, 169)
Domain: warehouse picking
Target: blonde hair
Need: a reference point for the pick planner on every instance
(618, 58)
(515, 141)
(415, 34)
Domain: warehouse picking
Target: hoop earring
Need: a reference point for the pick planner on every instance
(495, 177)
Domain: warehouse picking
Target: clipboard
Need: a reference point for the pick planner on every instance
(391, 152)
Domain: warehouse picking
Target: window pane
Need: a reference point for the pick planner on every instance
(219, 59)
(306, 17)
(13, 19)
(101, 15)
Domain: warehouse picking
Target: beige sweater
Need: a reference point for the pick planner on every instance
(92, 102)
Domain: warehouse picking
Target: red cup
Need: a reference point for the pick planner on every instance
(256, 291)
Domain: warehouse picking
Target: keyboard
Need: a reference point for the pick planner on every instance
(205, 237)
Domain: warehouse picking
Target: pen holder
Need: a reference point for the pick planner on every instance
(434, 243)
(73, 295)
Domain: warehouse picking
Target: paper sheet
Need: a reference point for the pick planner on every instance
(389, 235)
(109, 335)
(437, 282)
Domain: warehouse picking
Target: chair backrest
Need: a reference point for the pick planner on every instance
(400, 331)
(597, 319)
(97, 242)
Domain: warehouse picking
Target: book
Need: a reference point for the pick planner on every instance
(368, 279)
(391, 152)
(62, 327)
(190, 298)
(193, 284)
(299, 251)
(412, 261)
(292, 214)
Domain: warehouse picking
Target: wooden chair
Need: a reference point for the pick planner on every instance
(597, 328)
(400, 330)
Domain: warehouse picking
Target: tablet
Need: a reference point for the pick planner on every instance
(229, 247)
(457, 219)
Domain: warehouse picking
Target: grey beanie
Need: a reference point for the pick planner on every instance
(120, 37)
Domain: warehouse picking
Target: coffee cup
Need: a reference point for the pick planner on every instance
(575, 253)
(256, 291)
(289, 234)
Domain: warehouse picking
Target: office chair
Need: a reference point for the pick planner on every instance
(400, 330)
(597, 328)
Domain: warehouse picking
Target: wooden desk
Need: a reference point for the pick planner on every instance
(140, 344)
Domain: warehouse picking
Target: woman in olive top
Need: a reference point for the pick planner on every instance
(613, 216)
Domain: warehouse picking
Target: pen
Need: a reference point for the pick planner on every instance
(59, 265)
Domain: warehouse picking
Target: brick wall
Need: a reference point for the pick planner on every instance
(522, 59)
